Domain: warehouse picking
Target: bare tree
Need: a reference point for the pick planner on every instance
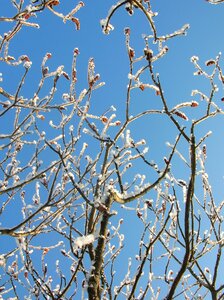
(68, 174)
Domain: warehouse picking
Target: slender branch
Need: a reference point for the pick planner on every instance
(188, 205)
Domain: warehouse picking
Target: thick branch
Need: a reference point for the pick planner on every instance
(94, 288)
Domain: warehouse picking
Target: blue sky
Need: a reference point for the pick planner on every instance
(204, 39)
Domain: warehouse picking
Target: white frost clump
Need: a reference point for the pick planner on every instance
(194, 58)
(2, 261)
(105, 26)
(84, 240)
(27, 64)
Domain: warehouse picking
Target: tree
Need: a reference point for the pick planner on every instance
(73, 175)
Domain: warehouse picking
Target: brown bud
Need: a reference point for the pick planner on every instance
(210, 62)
(104, 119)
(148, 53)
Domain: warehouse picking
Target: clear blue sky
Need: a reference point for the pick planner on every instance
(204, 39)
